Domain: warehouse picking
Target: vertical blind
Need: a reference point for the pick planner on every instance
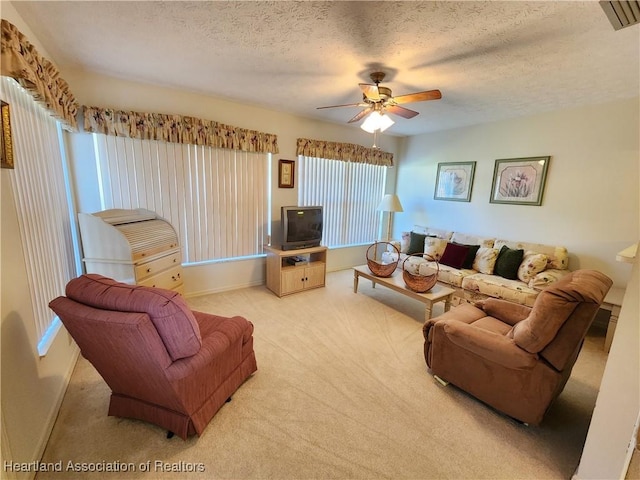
(349, 193)
(42, 205)
(216, 199)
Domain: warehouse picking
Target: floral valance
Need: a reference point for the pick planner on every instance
(348, 152)
(177, 129)
(22, 62)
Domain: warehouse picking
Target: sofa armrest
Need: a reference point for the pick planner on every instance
(492, 346)
(545, 278)
(504, 311)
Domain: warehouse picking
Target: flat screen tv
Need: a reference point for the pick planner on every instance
(301, 227)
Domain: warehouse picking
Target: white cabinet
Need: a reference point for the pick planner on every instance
(132, 246)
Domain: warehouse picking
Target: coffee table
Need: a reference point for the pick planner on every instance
(439, 293)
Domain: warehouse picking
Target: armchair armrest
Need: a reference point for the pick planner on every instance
(507, 312)
(230, 332)
(489, 345)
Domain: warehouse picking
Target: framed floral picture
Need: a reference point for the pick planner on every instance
(286, 173)
(454, 181)
(519, 181)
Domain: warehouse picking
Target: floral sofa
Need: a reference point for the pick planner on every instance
(481, 267)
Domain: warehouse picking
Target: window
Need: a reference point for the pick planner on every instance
(349, 193)
(42, 198)
(216, 199)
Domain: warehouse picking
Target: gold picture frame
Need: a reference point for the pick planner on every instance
(7, 146)
(286, 173)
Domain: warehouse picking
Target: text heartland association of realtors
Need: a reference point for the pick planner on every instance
(115, 466)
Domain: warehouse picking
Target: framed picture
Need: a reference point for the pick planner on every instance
(519, 181)
(286, 173)
(454, 181)
(7, 146)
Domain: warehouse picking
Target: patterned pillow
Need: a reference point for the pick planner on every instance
(485, 260)
(560, 259)
(434, 247)
(532, 264)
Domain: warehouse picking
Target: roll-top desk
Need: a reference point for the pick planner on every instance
(132, 246)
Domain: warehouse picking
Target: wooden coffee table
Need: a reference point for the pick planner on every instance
(439, 293)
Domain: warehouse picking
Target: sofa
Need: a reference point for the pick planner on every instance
(483, 267)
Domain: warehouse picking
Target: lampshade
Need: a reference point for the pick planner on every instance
(390, 203)
(376, 121)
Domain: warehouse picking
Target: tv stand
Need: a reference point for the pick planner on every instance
(285, 276)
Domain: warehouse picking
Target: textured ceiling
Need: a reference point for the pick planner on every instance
(491, 60)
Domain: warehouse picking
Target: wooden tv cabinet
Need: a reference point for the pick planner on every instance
(283, 278)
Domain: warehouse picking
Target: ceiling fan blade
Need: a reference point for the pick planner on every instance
(370, 91)
(418, 97)
(345, 105)
(361, 115)
(403, 112)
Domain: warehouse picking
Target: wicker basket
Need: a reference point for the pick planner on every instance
(378, 268)
(420, 283)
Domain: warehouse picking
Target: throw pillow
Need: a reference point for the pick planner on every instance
(434, 247)
(471, 255)
(508, 262)
(416, 243)
(485, 260)
(454, 255)
(532, 264)
(404, 243)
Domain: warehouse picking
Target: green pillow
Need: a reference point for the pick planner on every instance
(508, 262)
(416, 243)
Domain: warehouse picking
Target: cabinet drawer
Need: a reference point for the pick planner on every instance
(154, 267)
(169, 279)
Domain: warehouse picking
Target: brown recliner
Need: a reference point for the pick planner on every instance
(164, 363)
(515, 358)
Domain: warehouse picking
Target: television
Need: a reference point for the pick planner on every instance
(301, 227)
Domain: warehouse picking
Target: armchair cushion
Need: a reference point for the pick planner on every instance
(489, 345)
(168, 311)
(507, 312)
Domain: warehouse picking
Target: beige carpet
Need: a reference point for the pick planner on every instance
(341, 391)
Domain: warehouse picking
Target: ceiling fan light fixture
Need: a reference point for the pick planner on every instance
(377, 121)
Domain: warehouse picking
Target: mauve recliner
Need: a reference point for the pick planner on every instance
(164, 363)
(516, 358)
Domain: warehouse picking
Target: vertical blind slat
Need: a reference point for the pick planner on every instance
(349, 193)
(38, 185)
(216, 199)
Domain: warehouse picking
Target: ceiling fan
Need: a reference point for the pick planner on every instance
(376, 98)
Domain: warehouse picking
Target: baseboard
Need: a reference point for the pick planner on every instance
(55, 410)
(226, 288)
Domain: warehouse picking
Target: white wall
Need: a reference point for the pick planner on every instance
(613, 430)
(32, 387)
(591, 199)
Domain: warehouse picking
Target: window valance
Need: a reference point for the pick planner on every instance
(22, 62)
(177, 129)
(348, 152)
